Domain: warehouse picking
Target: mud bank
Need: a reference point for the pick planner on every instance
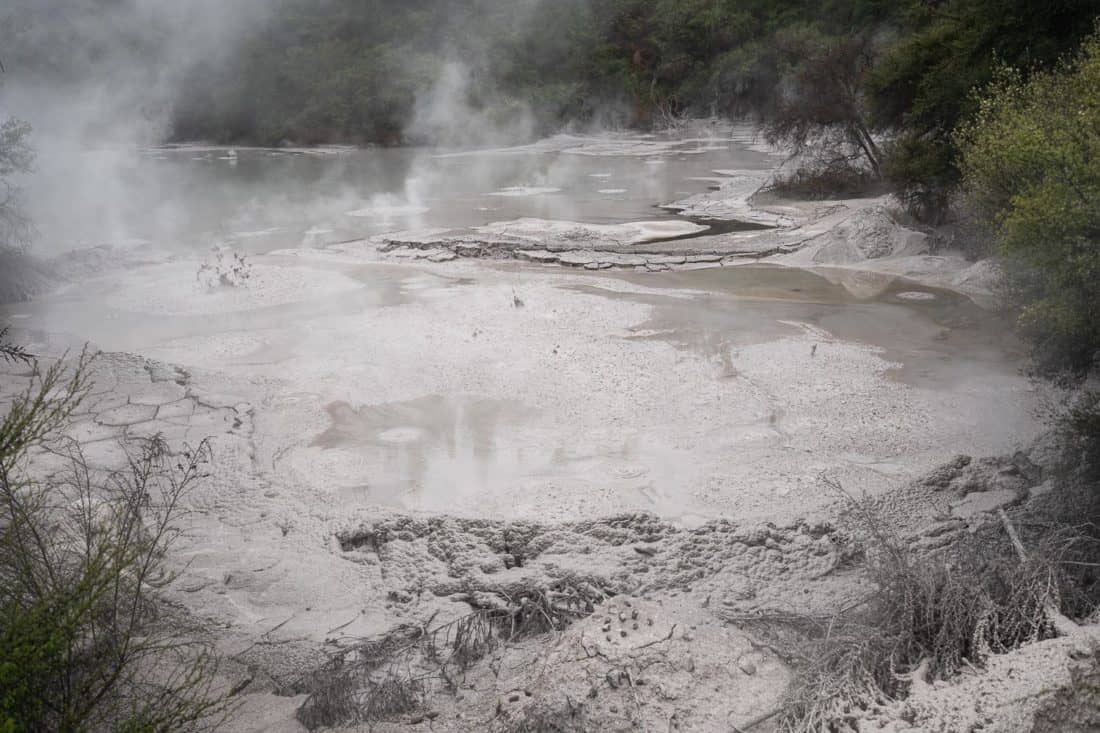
(858, 243)
(529, 391)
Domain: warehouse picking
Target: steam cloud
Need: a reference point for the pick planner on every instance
(99, 79)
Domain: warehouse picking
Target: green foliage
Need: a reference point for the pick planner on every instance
(85, 642)
(923, 81)
(16, 157)
(1030, 163)
(352, 71)
(922, 172)
(341, 71)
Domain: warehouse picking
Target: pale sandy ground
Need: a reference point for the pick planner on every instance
(339, 390)
(390, 437)
(379, 384)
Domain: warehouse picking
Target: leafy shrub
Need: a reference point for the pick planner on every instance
(1029, 162)
(86, 642)
(921, 171)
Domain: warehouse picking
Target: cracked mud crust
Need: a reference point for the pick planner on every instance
(858, 243)
(289, 578)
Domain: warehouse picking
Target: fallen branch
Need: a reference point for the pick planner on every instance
(1062, 624)
(745, 727)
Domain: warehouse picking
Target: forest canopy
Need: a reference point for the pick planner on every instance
(1029, 157)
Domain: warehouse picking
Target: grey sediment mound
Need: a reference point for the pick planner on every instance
(741, 569)
(653, 642)
(859, 243)
(673, 639)
(583, 250)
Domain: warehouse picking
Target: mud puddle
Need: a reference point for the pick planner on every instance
(937, 338)
(461, 453)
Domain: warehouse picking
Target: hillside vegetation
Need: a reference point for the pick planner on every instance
(367, 71)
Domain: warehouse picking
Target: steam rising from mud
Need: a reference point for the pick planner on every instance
(446, 115)
(98, 81)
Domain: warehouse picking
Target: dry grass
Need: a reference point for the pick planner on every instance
(932, 614)
(389, 676)
(569, 717)
(340, 697)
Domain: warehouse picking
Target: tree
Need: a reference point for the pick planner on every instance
(922, 87)
(86, 642)
(1031, 164)
(822, 104)
(16, 157)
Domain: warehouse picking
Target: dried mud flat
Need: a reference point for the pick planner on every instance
(292, 570)
(292, 581)
(406, 438)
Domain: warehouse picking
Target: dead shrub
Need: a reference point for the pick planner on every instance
(931, 614)
(534, 609)
(815, 183)
(225, 269)
(340, 697)
(567, 717)
(378, 679)
(349, 687)
(454, 647)
(332, 700)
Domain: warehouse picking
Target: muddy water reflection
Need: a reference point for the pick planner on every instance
(937, 337)
(426, 445)
(453, 453)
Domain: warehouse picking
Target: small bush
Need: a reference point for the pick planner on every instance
(86, 641)
(933, 613)
(817, 183)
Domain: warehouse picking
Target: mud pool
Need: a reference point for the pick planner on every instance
(193, 197)
(502, 389)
